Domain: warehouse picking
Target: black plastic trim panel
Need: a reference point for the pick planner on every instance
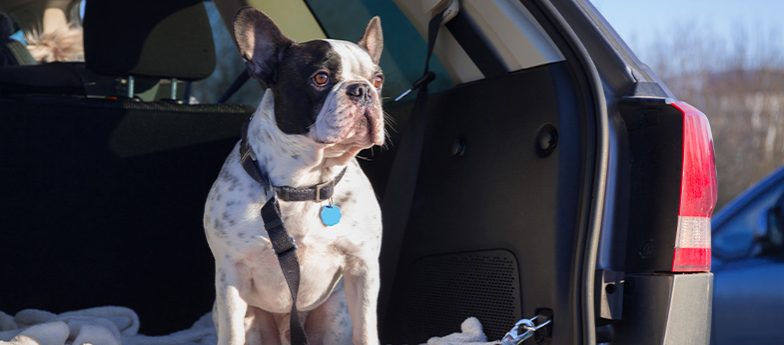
(480, 52)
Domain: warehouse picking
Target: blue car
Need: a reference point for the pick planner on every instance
(748, 266)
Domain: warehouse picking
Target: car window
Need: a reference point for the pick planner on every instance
(404, 48)
(736, 237)
(294, 19)
(228, 66)
(402, 61)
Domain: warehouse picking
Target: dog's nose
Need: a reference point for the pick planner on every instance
(359, 91)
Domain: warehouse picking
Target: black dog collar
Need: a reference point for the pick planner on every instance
(320, 192)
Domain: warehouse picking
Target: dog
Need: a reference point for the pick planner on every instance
(321, 107)
(63, 44)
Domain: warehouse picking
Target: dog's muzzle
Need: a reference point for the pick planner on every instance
(360, 93)
(368, 120)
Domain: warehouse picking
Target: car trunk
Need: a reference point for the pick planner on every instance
(492, 230)
(104, 202)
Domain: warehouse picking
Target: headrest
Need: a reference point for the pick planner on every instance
(154, 38)
(6, 25)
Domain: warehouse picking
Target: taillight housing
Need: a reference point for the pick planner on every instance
(699, 192)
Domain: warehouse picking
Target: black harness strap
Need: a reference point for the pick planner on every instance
(399, 192)
(248, 160)
(284, 245)
(320, 192)
(286, 250)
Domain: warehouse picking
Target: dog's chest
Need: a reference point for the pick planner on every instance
(322, 253)
(240, 240)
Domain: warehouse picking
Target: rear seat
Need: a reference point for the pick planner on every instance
(63, 78)
(104, 196)
(149, 40)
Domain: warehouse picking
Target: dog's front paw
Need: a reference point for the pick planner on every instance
(365, 341)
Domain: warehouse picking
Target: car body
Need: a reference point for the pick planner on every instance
(748, 268)
(558, 177)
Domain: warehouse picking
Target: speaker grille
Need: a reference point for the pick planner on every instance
(444, 290)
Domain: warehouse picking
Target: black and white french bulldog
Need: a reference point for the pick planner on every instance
(322, 106)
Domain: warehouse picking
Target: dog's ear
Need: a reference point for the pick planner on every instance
(373, 39)
(260, 42)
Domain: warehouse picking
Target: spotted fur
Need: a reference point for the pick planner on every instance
(338, 264)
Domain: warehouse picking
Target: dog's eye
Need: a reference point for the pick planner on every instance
(378, 81)
(321, 79)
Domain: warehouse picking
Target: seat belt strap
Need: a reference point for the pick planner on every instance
(235, 86)
(399, 191)
(20, 52)
(282, 243)
(286, 250)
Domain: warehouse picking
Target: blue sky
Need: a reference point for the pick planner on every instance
(639, 22)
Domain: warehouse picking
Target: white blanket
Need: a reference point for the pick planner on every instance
(117, 325)
(471, 333)
(97, 326)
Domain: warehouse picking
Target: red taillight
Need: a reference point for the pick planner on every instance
(699, 192)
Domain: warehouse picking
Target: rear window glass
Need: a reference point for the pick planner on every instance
(402, 60)
(228, 66)
(404, 48)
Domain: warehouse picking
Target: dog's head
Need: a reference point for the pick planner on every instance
(327, 90)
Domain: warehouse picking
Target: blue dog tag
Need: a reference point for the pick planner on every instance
(330, 215)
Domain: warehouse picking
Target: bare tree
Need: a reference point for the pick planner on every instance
(739, 84)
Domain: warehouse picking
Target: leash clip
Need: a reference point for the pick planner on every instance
(523, 330)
